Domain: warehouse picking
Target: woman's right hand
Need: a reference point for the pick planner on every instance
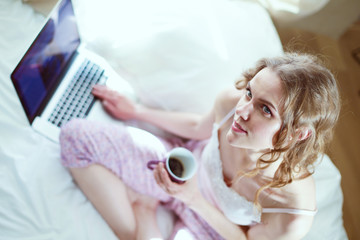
(186, 192)
(116, 104)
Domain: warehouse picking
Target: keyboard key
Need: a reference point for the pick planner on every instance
(77, 98)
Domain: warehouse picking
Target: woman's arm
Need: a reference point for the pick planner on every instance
(187, 125)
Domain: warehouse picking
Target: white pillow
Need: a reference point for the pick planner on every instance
(328, 222)
(179, 54)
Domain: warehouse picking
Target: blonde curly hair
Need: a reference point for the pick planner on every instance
(311, 101)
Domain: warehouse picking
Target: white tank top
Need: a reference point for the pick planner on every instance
(234, 206)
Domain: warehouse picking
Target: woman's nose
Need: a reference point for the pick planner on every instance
(244, 110)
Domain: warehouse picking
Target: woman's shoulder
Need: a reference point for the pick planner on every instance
(301, 193)
(229, 94)
(226, 100)
(298, 195)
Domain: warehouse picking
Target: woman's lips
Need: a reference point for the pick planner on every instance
(237, 128)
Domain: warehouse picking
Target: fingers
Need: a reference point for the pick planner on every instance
(163, 180)
(109, 98)
(104, 93)
(99, 90)
(158, 174)
(116, 104)
(110, 107)
(164, 175)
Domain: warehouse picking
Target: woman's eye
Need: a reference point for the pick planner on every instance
(248, 93)
(266, 109)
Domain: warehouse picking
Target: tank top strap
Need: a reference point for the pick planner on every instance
(227, 116)
(290, 211)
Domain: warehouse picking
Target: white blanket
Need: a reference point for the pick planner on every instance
(176, 55)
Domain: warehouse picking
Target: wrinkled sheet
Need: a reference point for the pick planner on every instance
(168, 51)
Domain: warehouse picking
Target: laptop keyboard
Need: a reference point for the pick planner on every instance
(77, 99)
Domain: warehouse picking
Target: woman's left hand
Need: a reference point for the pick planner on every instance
(185, 192)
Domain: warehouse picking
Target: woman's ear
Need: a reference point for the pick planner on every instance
(304, 133)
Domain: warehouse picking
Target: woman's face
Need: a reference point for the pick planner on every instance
(257, 115)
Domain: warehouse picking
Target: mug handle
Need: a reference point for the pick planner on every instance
(152, 163)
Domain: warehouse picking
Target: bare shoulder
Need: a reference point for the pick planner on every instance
(281, 226)
(226, 100)
(300, 194)
(229, 94)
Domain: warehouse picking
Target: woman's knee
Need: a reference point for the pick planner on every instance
(71, 129)
(74, 144)
(142, 200)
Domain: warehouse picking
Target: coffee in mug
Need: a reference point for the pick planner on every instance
(179, 163)
(176, 167)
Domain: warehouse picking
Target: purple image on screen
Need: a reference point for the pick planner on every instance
(39, 71)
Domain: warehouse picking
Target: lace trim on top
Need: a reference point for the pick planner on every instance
(235, 207)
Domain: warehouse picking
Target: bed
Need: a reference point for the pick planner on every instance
(167, 51)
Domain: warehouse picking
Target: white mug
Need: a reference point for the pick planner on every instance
(179, 163)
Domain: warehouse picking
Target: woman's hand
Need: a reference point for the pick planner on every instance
(117, 105)
(185, 192)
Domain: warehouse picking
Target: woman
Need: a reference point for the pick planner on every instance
(256, 150)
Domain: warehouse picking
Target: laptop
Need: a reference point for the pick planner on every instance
(55, 76)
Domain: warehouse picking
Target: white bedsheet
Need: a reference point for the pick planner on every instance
(169, 49)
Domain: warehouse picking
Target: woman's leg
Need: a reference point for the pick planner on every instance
(131, 215)
(145, 214)
(109, 196)
(106, 161)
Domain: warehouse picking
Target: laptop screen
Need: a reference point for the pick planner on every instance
(40, 70)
